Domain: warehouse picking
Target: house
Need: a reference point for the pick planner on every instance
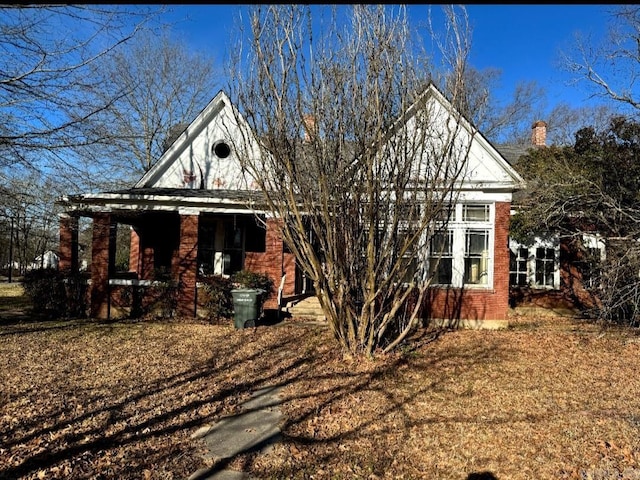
(48, 259)
(549, 270)
(198, 211)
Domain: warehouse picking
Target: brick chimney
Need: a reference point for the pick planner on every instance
(539, 134)
(309, 124)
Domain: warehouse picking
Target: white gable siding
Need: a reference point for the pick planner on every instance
(192, 163)
(485, 172)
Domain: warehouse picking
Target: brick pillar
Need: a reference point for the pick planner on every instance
(134, 252)
(185, 265)
(100, 265)
(68, 251)
(282, 263)
(501, 261)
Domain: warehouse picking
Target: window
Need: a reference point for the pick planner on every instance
(206, 247)
(475, 213)
(409, 258)
(221, 149)
(441, 257)
(255, 236)
(233, 248)
(545, 266)
(589, 266)
(463, 254)
(518, 266)
(476, 257)
(535, 264)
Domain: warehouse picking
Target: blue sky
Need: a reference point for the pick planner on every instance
(523, 41)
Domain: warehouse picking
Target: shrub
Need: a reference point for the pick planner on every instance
(219, 302)
(56, 294)
(247, 279)
(164, 297)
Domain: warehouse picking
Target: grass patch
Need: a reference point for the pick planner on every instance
(12, 297)
(120, 400)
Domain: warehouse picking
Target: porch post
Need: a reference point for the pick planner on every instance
(185, 263)
(68, 251)
(100, 265)
(134, 252)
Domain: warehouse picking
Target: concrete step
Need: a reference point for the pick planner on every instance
(307, 308)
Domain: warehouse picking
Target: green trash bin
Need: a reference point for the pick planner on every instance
(246, 306)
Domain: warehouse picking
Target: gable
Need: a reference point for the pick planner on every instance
(485, 168)
(203, 157)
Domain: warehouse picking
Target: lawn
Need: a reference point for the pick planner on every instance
(12, 298)
(546, 399)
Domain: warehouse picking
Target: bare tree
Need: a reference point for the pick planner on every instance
(47, 92)
(26, 205)
(509, 121)
(166, 86)
(612, 65)
(564, 121)
(356, 159)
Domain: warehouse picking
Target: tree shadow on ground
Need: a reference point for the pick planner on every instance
(123, 417)
(343, 386)
(482, 476)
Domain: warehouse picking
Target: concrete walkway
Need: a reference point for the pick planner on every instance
(254, 429)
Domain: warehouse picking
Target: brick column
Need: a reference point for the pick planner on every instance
(134, 252)
(501, 261)
(185, 264)
(100, 265)
(68, 251)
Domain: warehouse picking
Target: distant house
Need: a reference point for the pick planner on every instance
(198, 212)
(48, 259)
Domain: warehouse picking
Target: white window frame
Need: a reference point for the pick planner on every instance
(520, 260)
(547, 243)
(544, 261)
(482, 267)
(459, 228)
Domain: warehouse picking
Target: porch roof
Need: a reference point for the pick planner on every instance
(165, 199)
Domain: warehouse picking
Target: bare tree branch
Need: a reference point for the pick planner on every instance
(357, 161)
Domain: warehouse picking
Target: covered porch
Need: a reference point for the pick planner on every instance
(177, 237)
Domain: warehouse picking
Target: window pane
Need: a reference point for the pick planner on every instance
(255, 237)
(475, 213)
(545, 266)
(476, 262)
(206, 247)
(232, 262)
(477, 242)
(518, 267)
(440, 261)
(441, 270)
(476, 271)
(441, 242)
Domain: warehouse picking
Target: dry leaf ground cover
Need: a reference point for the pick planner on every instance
(546, 399)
